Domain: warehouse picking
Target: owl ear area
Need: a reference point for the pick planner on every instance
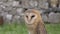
(24, 14)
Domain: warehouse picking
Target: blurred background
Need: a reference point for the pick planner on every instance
(11, 15)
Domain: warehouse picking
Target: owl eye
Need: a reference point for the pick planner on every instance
(32, 16)
(26, 16)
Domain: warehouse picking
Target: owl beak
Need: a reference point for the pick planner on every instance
(29, 20)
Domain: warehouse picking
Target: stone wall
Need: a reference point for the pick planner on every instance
(12, 10)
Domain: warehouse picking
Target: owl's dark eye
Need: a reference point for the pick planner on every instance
(26, 16)
(32, 16)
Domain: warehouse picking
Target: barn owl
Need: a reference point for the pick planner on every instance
(33, 21)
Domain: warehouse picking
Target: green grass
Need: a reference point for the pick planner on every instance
(13, 29)
(21, 29)
(53, 28)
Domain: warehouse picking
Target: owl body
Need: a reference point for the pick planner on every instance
(34, 22)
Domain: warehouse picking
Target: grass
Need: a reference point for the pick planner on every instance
(13, 29)
(21, 29)
(53, 28)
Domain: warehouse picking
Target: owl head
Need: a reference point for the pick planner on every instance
(32, 16)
